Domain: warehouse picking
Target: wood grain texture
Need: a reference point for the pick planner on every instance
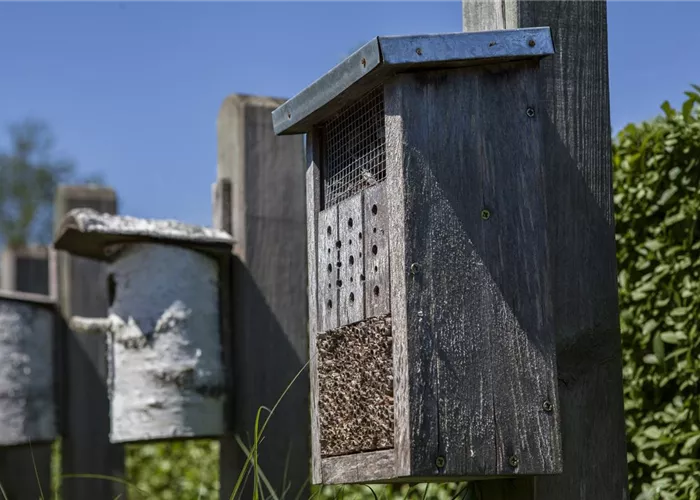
(351, 296)
(478, 314)
(359, 467)
(376, 251)
(268, 305)
(328, 256)
(574, 108)
(85, 447)
(313, 205)
(395, 181)
(26, 270)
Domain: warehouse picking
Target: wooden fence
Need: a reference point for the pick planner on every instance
(263, 297)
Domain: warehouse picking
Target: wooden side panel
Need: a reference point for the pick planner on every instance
(313, 205)
(574, 107)
(376, 248)
(351, 303)
(328, 255)
(269, 294)
(478, 310)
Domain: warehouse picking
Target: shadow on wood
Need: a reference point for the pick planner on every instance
(263, 361)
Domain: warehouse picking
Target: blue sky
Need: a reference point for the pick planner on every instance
(132, 90)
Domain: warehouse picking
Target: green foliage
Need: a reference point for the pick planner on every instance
(657, 198)
(177, 470)
(29, 175)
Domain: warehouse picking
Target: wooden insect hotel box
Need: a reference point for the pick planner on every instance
(431, 340)
(27, 405)
(165, 370)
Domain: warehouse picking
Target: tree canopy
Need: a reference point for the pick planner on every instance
(30, 171)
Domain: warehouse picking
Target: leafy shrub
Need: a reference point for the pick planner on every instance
(657, 198)
(177, 470)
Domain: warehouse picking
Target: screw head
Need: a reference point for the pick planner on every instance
(485, 214)
(514, 461)
(531, 43)
(530, 112)
(440, 462)
(547, 406)
(415, 268)
(419, 51)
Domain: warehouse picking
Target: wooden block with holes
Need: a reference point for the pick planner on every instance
(431, 340)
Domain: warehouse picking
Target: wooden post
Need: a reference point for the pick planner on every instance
(269, 343)
(82, 283)
(26, 270)
(578, 191)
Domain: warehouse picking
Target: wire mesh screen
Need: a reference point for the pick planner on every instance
(354, 148)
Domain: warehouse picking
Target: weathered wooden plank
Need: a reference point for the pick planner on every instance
(221, 219)
(359, 467)
(269, 304)
(313, 205)
(351, 296)
(85, 447)
(328, 255)
(475, 229)
(574, 108)
(395, 180)
(376, 251)
(25, 472)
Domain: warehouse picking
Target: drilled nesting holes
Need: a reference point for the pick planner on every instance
(376, 244)
(327, 268)
(350, 263)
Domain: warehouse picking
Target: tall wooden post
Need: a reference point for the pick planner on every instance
(268, 307)
(578, 191)
(82, 283)
(26, 270)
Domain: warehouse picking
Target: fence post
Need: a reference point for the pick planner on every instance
(268, 307)
(578, 191)
(26, 270)
(82, 290)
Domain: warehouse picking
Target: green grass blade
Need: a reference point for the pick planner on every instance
(241, 476)
(106, 478)
(263, 477)
(36, 472)
(425, 492)
(370, 489)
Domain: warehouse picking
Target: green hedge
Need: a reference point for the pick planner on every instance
(657, 178)
(657, 199)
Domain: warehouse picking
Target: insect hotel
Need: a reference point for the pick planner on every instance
(431, 338)
(165, 372)
(27, 408)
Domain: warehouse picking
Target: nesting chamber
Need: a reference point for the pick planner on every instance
(165, 370)
(27, 405)
(431, 339)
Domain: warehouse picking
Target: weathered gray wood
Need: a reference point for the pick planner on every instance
(395, 180)
(376, 251)
(359, 467)
(478, 301)
(351, 300)
(313, 205)
(328, 255)
(575, 112)
(85, 447)
(269, 305)
(25, 472)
